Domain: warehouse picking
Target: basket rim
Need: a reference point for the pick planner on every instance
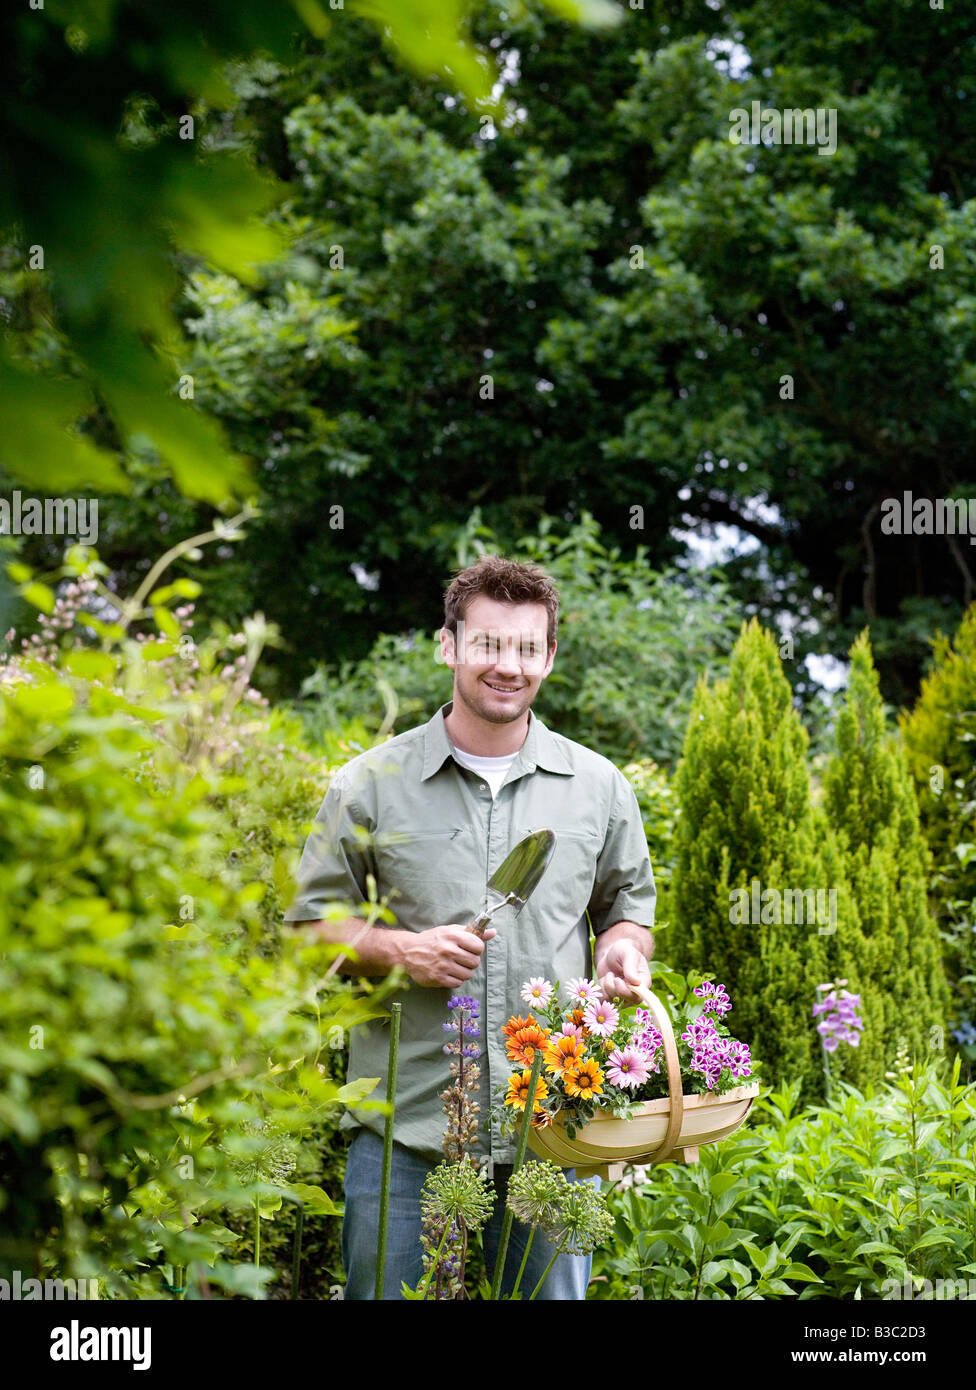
(662, 1104)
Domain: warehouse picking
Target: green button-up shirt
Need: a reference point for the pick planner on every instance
(434, 837)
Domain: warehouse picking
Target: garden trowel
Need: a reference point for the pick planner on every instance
(518, 875)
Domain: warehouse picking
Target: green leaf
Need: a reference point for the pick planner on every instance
(90, 665)
(316, 1201)
(938, 1237)
(41, 701)
(721, 1182)
(354, 1091)
(180, 588)
(39, 595)
(802, 1272)
(166, 622)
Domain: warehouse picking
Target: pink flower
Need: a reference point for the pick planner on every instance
(538, 992)
(571, 1030)
(627, 1067)
(582, 990)
(600, 1017)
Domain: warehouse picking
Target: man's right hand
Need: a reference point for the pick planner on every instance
(445, 956)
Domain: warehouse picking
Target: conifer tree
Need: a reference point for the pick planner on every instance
(745, 814)
(892, 954)
(940, 737)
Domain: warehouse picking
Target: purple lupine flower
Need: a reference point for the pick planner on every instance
(463, 1001)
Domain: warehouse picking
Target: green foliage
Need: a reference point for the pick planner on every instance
(503, 248)
(829, 1202)
(891, 949)
(104, 170)
(632, 643)
(940, 736)
(162, 1049)
(745, 813)
(659, 812)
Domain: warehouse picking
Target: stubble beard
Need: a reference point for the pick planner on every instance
(484, 711)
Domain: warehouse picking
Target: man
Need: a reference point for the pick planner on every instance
(431, 814)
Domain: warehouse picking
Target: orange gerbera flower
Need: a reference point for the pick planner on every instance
(577, 1017)
(562, 1053)
(521, 1046)
(514, 1024)
(586, 1081)
(518, 1091)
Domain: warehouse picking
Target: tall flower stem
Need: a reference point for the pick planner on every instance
(523, 1140)
(257, 1231)
(296, 1255)
(545, 1276)
(437, 1261)
(391, 1083)
(528, 1247)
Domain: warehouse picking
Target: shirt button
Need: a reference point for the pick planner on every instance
(484, 787)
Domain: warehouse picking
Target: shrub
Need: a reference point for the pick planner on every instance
(659, 812)
(940, 735)
(745, 813)
(862, 1199)
(156, 1034)
(890, 946)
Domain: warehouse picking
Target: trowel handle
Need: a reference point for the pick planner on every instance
(480, 923)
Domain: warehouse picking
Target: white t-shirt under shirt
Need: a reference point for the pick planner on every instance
(493, 770)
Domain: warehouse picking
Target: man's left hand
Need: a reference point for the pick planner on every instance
(624, 972)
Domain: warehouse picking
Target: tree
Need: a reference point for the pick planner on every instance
(112, 154)
(745, 835)
(940, 737)
(869, 802)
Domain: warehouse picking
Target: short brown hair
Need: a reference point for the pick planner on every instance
(510, 581)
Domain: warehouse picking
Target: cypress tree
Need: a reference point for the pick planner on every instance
(745, 814)
(940, 737)
(891, 950)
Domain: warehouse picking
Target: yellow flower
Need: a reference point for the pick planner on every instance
(585, 1081)
(563, 1053)
(522, 1044)
(518, 1091)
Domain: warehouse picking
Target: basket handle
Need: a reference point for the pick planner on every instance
(661, 1017)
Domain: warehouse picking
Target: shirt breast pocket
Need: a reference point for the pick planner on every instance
(567, 884)
(419, 855)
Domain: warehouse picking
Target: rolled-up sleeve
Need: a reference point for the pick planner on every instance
(623, 888)
(336, 857)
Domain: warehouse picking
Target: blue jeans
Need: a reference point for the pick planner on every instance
(567, 1279)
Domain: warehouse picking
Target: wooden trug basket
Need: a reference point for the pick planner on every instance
(675, 1126)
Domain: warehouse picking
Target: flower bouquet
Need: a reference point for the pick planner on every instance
(611, 1088)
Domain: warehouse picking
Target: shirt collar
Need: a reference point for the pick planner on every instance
(540, 748)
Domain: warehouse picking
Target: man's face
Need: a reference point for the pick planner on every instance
(500, 658)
